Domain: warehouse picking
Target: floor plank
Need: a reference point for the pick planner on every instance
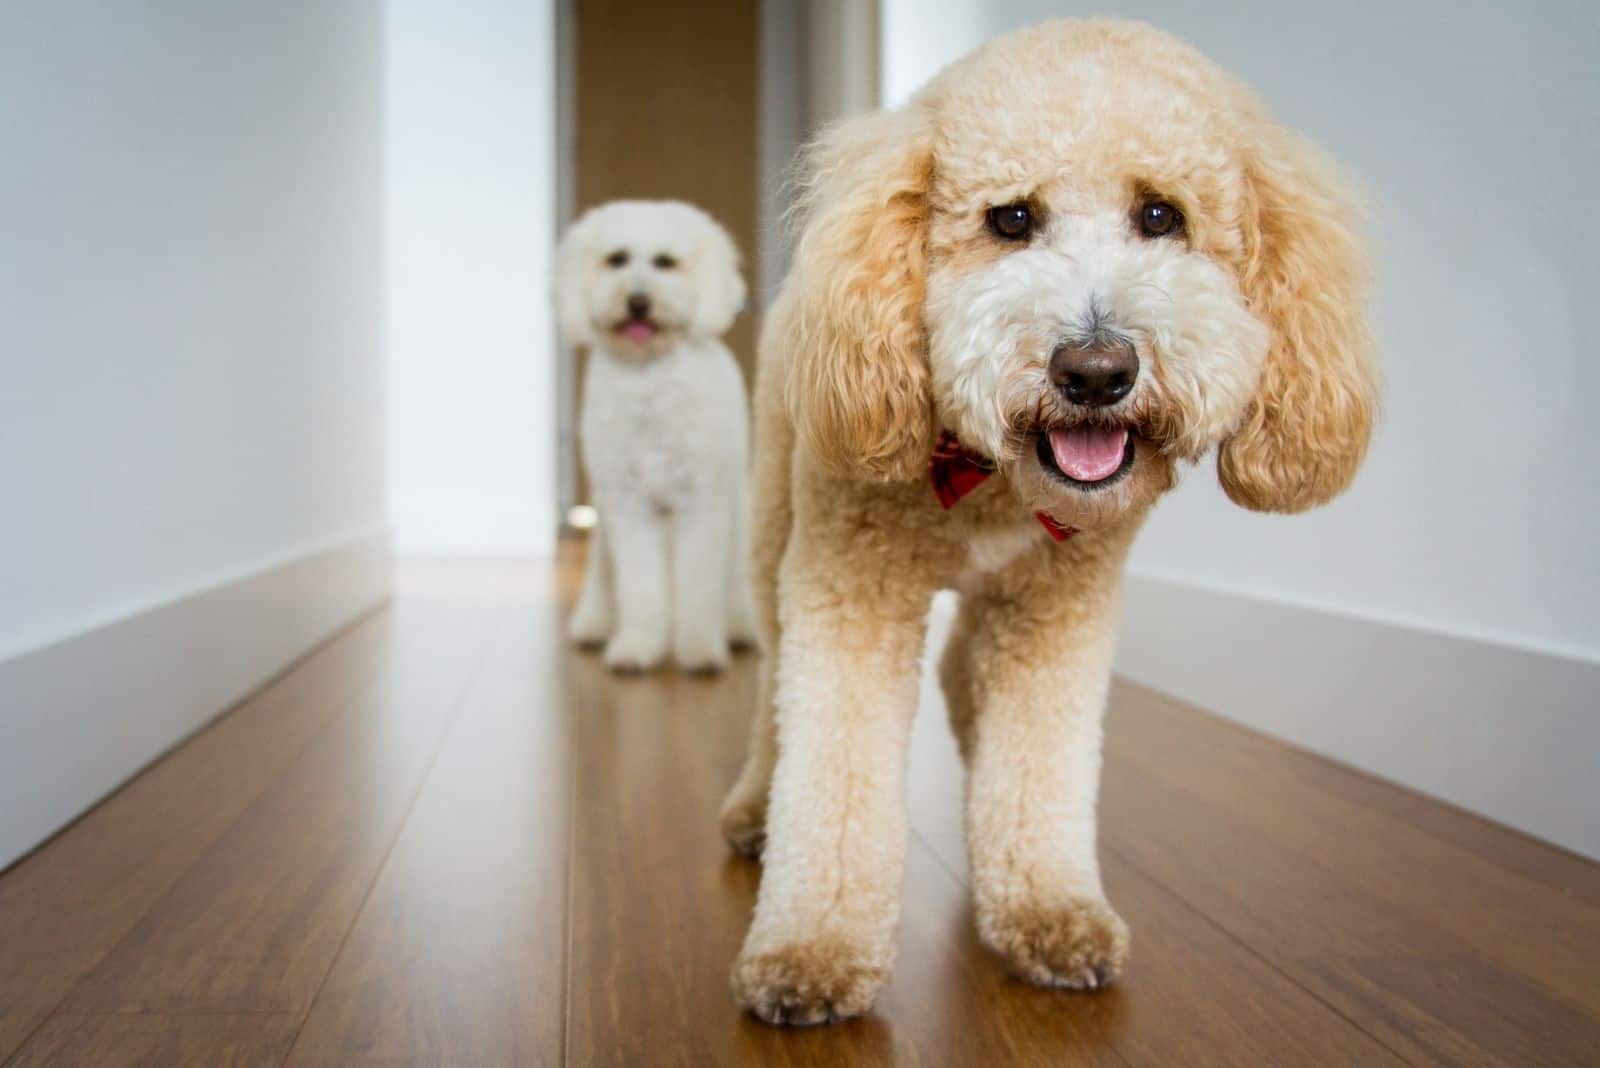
(1507, 917)
(252, 1040)
(1422, 993)
(455, 959)
(254, 924)
(66, 905)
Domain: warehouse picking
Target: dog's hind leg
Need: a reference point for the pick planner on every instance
(744, 812)
(594, 616)
(955, 673)
(743, 630)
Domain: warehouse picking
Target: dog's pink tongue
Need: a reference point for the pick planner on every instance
(1089, 453)
(637, 331)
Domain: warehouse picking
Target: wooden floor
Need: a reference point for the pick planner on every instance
(444, 838)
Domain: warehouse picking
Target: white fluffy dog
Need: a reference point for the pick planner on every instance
(649, 287)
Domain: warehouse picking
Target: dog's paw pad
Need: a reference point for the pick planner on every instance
(804, 984)
(1081, 945)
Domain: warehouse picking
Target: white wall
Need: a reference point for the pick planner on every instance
(190, 298)
(1466, 543)
(471, 166)
(191, 370)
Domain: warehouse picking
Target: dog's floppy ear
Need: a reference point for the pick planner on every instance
(722, 291)
(1306, 277)
(572, 274)
(858, 381)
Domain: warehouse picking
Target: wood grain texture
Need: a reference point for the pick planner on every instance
(456, 956)
(254, 924)
(447, 838)
(65, 906)
(138, 1040)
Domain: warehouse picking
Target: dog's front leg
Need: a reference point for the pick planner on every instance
(636, 537)
(701, 533)
(594, 616)
(1041, 664)
(822, 941)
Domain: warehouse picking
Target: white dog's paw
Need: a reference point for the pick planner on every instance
(744, 821)
(588, 629)
(743, 633)
(634, 652)
(1081, 945)
(744, 638)
(700, 652)
(808, 983)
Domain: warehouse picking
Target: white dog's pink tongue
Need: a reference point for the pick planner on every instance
(1089, 453)
(638, 331)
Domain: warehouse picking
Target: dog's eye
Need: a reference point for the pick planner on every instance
(1157, 218)
(1014, 222)
(617, 259)
(664, 262)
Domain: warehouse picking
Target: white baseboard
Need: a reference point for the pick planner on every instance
(80, 716)
(1509, 733)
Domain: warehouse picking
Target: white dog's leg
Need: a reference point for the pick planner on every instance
(701, 531)
(595, 614)
(822, 941)
(1033, 754)
(743, 631)
(637, 539)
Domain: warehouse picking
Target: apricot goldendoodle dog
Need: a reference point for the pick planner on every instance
(1079, 258)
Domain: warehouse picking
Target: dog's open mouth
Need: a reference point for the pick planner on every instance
(638, 331)
(1087, 456)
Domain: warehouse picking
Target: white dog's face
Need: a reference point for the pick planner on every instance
(636, 277)
(1085, 323)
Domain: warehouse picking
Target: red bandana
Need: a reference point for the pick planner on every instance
(956, 471)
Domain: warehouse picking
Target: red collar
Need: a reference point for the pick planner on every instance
(956, 471)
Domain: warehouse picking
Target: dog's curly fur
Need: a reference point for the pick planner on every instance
(906, 315)
(663, 431)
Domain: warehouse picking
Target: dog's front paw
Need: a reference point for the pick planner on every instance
(808, 983)
(700, 653)
(588, 630)
(634, 652)
(1081, 945)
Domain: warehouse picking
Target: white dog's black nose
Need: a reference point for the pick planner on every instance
(638, 305)
(1096, 375)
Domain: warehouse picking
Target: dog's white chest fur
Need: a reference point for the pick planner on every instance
(667, 429)
(991, 550)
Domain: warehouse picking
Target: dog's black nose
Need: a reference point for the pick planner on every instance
(638, 305)
(1094, 376)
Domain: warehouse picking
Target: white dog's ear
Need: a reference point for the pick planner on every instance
(572, 276)
(858, 381)
(1306, 278)
(722, 289)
